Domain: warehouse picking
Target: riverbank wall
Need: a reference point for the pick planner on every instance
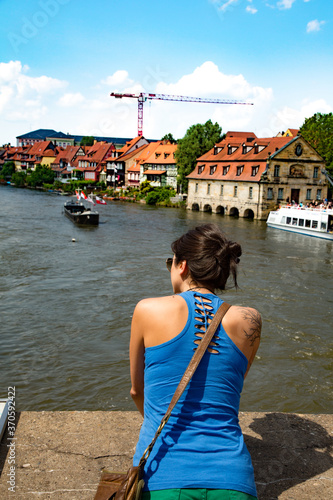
(59, 455)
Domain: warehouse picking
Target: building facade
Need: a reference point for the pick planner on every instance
(249, 176)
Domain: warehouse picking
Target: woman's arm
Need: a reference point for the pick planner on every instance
(243, 325)
(137, 351)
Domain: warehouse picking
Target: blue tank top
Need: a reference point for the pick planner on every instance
(202, 445)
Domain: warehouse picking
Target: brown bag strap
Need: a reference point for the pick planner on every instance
(189, 372)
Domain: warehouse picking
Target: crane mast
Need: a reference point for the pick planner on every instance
(142, 97)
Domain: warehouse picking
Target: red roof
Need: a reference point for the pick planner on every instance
(134, 168)
(231, 175)
(98, 152)
(163, 154)
(154, 172)
(39, 147)
(238, 149)
(67, 154)
(127, 156)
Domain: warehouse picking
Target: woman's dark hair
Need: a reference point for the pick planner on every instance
(210, 256)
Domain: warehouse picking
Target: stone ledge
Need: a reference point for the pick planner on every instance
(59, 455)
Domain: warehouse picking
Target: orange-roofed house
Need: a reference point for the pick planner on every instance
(122, 159)
(160, 166)
(92, 163)
(66, 161)
(249, 176)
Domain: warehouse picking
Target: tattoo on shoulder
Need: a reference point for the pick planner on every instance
(253, 330)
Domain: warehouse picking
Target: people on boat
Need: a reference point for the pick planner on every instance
(201, 451)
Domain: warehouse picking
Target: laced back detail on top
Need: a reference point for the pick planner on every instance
(204, 314)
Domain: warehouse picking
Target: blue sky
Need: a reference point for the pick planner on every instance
(60, 59)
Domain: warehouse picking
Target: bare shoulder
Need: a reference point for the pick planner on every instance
(244, 323)
(159, 319)
(158, 303)
(157, 307)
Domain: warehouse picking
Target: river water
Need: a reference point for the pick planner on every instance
(66, 307)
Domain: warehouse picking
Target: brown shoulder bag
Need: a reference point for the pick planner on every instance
(129, 486)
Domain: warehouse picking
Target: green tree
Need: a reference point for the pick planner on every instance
(19, 178)
(87, 140)
(41, 175)
(7, 170)
(197, 141)
(169, 137)
(318, 131)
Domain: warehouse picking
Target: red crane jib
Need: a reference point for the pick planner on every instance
(143, 96)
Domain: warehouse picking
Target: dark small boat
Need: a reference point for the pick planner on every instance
(81, 215)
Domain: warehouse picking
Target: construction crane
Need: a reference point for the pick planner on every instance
(143, 97)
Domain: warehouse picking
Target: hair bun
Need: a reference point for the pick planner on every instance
(234, 250)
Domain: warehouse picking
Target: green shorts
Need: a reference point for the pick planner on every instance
(196, 494)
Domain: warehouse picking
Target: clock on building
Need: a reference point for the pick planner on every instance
(298, 150)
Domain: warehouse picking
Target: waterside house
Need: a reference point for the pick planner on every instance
(67, 161)
(27, 157)
(160, 166)
(249, 176)
(95, 160)
(122, 159)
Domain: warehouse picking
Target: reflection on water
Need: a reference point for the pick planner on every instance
(66, 306)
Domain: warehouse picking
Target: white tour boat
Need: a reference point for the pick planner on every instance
(315, 222)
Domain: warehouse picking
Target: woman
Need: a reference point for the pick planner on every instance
(200, 452)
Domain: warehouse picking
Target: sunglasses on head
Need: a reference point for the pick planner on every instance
(169, 262)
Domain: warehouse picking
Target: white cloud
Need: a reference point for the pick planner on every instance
(17, 88)
(285, 4)
(314, 25)
(227, 4)
(68, 100)
(251, 10)
(294, 118)
(119, 79)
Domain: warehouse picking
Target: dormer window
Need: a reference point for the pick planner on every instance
(201, 168)
(212, 169)
(245, 150)
(240, 170)
(166, 155)
(231, 149)
(255, 170)
(217, 150)
(157, 155)
(226, 169)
